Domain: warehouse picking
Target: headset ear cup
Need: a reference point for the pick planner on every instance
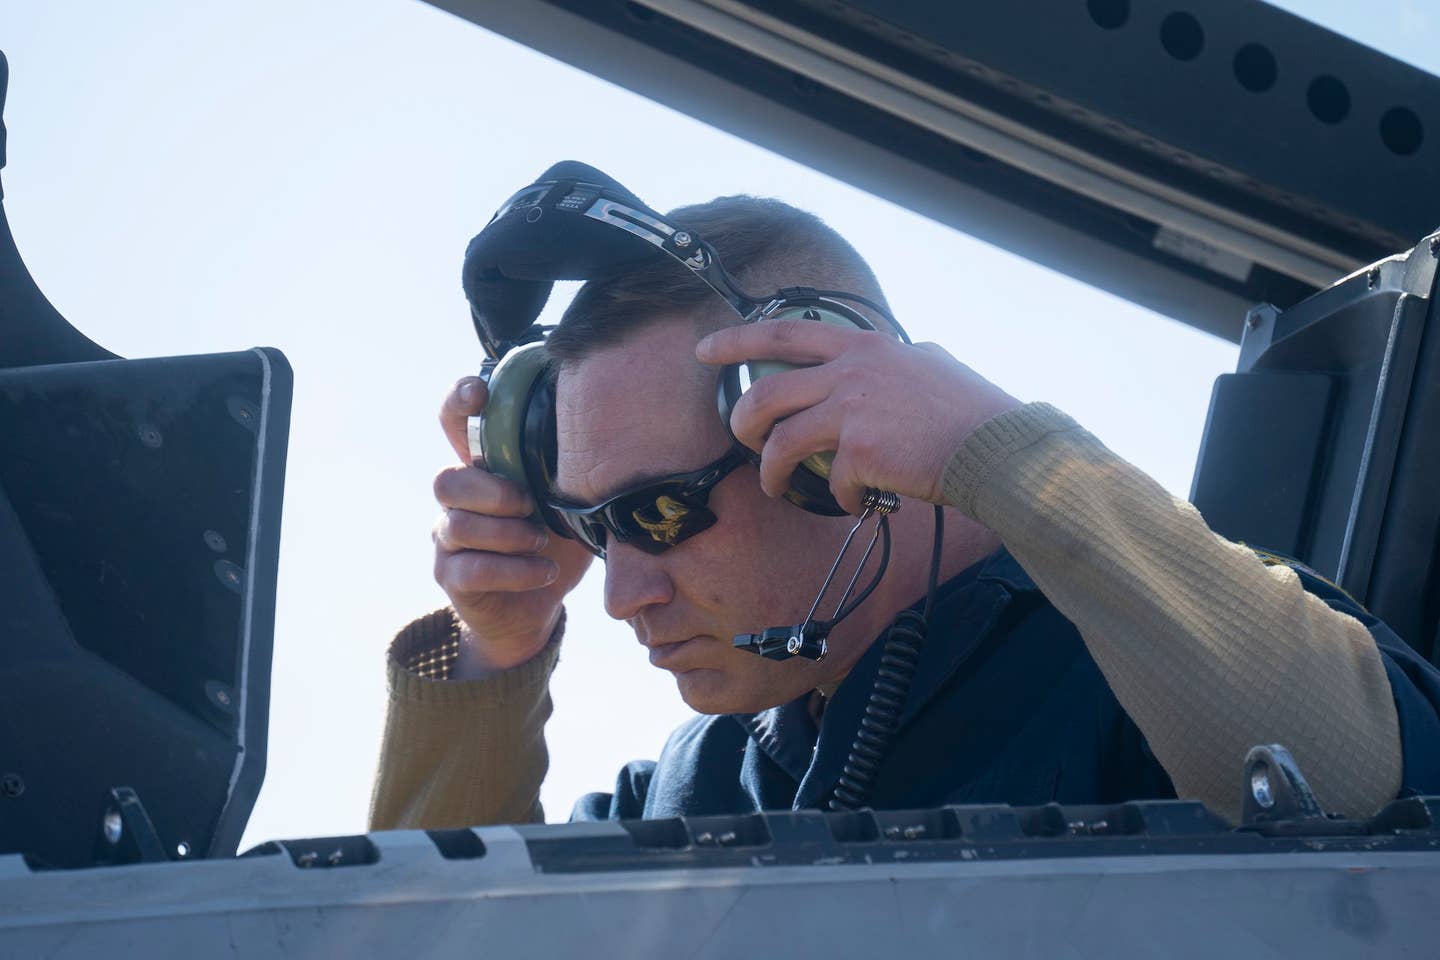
(810, 483)
(539, 448)
(517, 427)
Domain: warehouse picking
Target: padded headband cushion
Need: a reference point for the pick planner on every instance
(511, 265)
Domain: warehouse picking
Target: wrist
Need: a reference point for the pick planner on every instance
(480, 657)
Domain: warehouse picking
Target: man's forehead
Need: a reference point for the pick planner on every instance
(638, 409)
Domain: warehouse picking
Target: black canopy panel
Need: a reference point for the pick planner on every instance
(1195, 162)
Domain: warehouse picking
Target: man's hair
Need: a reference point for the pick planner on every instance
(764, 244)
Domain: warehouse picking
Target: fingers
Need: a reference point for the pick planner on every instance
(475, 490)
(471, 573)
(465, 399)
(792, 440)
(458, 530)
(794, 340)
(845, 484)
(775, 397)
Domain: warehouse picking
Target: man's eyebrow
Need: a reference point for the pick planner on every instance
(631, 481)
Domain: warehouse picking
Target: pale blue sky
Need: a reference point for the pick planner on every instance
(197, 177)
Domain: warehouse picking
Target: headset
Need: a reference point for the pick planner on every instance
(577, 223)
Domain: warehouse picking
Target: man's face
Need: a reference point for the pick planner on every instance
(646, 409)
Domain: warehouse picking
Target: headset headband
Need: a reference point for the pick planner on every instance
(574, 223)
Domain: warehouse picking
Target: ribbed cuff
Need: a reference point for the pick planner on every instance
(994, 442)
(423, 654)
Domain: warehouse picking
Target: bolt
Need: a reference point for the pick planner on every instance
(1260, 787)
(1435, 246)
(182, 849)
(215, 541)
(682, 239)
(11, 785)
(1372, 279)
(112, 827)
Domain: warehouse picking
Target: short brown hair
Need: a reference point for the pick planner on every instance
(764, 244)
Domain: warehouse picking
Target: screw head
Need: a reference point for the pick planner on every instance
(112, 827)
(792, 645)
(682, 238)
(12, 785)
(1372, 279)
(215, 541)
(182, 849)
(1435, 246)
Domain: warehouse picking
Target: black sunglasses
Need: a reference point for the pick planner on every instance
(653, 517)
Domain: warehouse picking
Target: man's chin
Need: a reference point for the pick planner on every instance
(716, 692)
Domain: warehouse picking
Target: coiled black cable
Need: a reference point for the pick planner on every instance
(899, 660)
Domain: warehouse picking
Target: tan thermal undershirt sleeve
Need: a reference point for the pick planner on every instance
(460, 753)
(1209, 650)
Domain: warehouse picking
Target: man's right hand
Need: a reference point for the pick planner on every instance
(506, 575)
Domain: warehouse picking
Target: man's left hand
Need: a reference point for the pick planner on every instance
(893, 413)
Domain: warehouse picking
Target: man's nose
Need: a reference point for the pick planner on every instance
(634, 581)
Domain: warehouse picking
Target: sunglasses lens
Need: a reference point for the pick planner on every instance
(587, 530)
(658, 520)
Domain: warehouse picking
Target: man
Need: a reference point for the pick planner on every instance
(1092, 640)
